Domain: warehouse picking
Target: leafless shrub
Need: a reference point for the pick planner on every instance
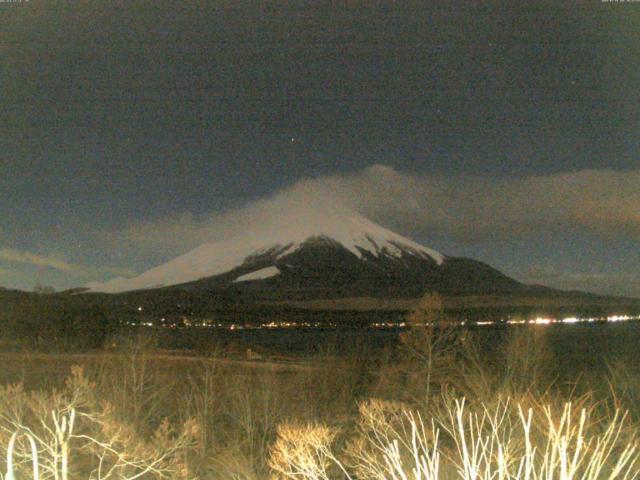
(303, 451)
(428, 350)
(528, 361)
(500, 441)
(254, 406)
(77, 436)
(390, 442)
(137, 388)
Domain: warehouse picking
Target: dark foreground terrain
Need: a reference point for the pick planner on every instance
(331, 403)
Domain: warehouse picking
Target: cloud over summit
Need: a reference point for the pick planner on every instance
(467, 209)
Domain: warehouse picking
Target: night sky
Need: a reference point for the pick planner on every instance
(133, 131)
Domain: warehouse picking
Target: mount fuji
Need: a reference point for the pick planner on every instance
(318, 256)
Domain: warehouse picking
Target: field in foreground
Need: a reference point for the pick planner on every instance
(439, 402)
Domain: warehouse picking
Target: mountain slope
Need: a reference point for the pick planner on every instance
(318, 257)
(354, 237)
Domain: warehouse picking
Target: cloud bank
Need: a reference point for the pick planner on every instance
(466, 209)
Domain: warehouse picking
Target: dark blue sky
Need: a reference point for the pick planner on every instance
(116, 114)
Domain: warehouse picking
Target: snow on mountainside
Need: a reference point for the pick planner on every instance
(355, 233)
(259, 274)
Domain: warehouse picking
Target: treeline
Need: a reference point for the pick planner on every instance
(54, 321)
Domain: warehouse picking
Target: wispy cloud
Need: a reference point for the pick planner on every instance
(56, 263)
(20, 256)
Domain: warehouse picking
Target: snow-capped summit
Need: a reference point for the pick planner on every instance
(284, 246)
